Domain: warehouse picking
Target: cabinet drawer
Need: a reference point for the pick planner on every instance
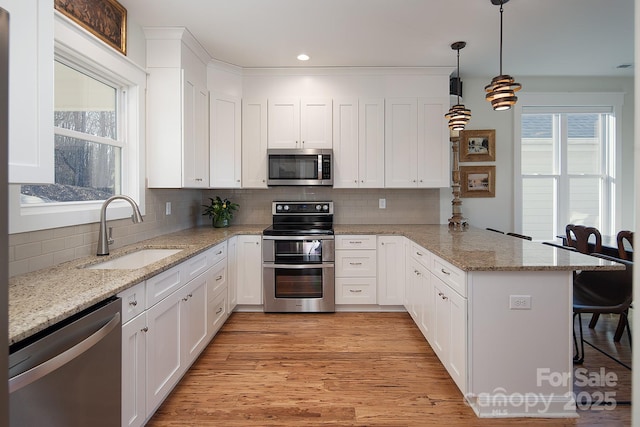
(450, 275)
(355, 263)
(133, 301)
(217, 279)
(217, 253)
(355, 242)
(217, 312)
(356, 290)
(421, 255)
(195, 266)
(161, 285)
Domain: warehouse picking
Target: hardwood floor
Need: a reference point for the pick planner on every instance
(347, 369)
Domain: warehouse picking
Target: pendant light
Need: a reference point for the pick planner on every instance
(501, 91)
(458, 115)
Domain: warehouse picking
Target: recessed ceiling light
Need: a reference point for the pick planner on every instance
(303, 57)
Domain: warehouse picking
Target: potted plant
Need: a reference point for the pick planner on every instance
(220, 211)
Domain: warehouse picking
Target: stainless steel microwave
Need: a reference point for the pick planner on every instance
(300, 167)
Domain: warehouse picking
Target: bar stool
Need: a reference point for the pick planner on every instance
(578, 237)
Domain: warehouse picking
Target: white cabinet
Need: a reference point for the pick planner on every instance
(296, 123)
(134, 353)
(193, 319)
(254, 143)
(355, 269)
(232, 274)
(177, 110)
(225, 162)
(217, 294)
(391, 270)
(358, 143)
(31, 142)
(416, 143)
(249, 270)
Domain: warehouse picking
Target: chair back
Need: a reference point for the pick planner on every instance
(578, 237)
(519, 236)
(621, 237)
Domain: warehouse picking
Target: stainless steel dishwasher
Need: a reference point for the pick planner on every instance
(69, 375)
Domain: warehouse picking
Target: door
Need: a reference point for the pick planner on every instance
(284, 123)
(441, 320)
(195, 135)
(193, 319)
(249, 272)
(433, 143)
(345, 143)
(371, 143)
(134, 354)
(401, 142)
(225, 141)
(316, 123)
(254, 144)
(391, 270)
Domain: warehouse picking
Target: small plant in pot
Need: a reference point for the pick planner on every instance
(220, 211)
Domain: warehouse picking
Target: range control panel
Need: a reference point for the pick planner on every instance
(288, 208)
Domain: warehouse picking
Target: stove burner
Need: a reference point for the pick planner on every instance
(301, 218)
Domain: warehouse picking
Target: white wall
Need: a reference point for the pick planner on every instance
(498, 212)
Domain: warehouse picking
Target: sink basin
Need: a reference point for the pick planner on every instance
(134, 260)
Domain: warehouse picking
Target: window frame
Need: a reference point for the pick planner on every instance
(607, 102)
(74, 47)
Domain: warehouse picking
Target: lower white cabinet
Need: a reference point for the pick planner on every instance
(391, 264)
(232, 274)
(249, 271)
(134, 353)
(355, 267)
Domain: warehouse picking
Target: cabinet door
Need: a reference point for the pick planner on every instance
(401, 141)
(164, 360)
(441, 320)
(345, 143)
(193, 318)
(371, 143)
(411, 286)
(316, 123)
(249, 271)
(284, 123)
(433, 143)
(195, 135)
(457, 361)
(225, 141)
(31, 142)
(232, 275)
(391, 270)
(424, 297)
(254, 144)
(134, 350)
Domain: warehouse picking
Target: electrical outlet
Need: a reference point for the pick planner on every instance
(167, 210)
(382, 203)
(520, 302)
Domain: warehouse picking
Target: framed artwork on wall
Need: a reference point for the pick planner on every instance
(106, 19)
(477, 181)
(478, 145)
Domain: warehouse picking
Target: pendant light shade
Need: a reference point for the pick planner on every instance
(501, 92)
(458, 115)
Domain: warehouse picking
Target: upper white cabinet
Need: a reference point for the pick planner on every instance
(358, 143)
(416, 143)
(254, 143)
(177, 110)
(226, 143)
(31, 142)
(300, 123)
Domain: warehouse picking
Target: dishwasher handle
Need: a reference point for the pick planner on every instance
(37, 372)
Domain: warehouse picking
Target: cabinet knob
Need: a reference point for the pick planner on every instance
(145, 329)
(356, 181)
(133, 303)
(237, 180)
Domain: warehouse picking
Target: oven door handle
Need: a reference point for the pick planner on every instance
(318, 237)
(299, 266)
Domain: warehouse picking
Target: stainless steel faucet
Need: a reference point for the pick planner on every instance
(105, 240)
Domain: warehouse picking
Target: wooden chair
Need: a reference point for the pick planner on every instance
(578, 237)
(494, 230)
(602, 292)
(621, 237)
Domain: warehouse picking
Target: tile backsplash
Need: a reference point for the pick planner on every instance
(42, 249)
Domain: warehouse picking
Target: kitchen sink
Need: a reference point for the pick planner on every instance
(134, 260)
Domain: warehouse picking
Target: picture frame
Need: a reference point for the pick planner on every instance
(106, 19)
(478, 145)
(477, 181)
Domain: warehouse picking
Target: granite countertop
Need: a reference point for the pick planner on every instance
(40, 299)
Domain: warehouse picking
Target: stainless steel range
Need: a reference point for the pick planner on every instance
(298, 258)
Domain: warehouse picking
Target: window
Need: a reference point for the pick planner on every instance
(567, 166)
(88, 147)
(99, 137)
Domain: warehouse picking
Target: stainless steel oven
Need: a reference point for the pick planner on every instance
(298, 258)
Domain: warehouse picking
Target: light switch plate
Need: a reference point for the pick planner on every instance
(382, 203)
(167, 210)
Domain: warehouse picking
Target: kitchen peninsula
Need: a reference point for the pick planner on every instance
(490, 347)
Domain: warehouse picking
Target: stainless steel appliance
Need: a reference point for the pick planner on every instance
(70, 375)
(300, 167)
(298, 258)
(4, 246)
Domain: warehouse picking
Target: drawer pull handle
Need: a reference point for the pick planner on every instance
(445, 272)
(355, 291)
(185, 299)
(444, 296)
(417, 273)
(133, 303)
(418, 253)
(355, 263)
(145, 329)
(219, 253)
(219, 310)
(218, 278)
(355, 242)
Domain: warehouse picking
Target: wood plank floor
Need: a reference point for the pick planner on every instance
(345, 369)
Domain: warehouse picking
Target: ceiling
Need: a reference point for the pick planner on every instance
(541, 37)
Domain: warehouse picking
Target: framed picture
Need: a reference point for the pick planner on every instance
(477, 181)
(106, 19)
(478, 145)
